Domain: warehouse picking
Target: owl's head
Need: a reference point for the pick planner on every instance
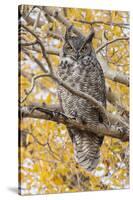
(76, 46)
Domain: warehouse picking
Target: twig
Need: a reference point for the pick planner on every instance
(33, 85)
(29, 77)
(29, 43)
(110, 42)
(122, 25)
(26, 132)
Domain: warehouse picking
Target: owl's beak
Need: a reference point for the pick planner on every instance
(77, 55)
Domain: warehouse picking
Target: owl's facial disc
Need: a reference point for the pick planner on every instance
(76, 48)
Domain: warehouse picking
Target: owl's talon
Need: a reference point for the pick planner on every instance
(66, 116)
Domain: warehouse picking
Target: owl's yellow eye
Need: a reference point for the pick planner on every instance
(68, 46)
(84, 48)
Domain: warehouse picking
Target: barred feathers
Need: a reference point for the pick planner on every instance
(84, 75)
(86, 148)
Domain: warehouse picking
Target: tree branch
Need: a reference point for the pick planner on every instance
(37, 21)
(33, 85)
(29, 77)
(55, 115)
(122, 25)
(28, 43)
(113, 75)
(110, 42)
(49, 50)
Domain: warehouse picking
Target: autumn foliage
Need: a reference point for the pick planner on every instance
(47, 163)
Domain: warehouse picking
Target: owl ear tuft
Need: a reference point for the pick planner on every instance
(68, 32)
(90, 36)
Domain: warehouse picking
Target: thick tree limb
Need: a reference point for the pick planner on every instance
(113, 75)
(55, 115)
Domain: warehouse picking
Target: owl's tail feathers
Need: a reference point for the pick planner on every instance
(86, 148)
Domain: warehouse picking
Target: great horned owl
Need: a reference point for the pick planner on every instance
(80, 69)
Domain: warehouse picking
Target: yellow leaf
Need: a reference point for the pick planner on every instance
(58, 180)
(48, 99)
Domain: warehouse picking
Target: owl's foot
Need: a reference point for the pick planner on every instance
(53, 114)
